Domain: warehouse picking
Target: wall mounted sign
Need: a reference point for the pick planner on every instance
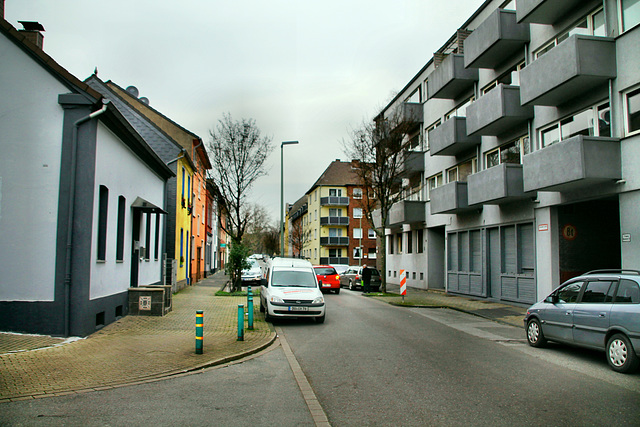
(569, 232)
(543, 227)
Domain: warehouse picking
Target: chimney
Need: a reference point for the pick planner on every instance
(33, 32)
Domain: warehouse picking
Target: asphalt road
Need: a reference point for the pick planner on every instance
(372, 364)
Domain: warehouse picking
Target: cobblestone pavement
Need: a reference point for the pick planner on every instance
(133, 349)
(136, 349)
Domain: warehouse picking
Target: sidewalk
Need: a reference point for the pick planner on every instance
(510, 314)
(136, 349)
(133, 349)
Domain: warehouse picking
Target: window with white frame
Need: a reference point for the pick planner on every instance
(413, 189)
(508, 153)
(461, 171)
(335, 252)
(592, 25)
(333, 212)
(372, 253)
(357, 212)
(593, 121)
(335, 192)
(629, 14)
(434, 182)
(511, 77)
(426, 133)
(372, 234)
(460, 110)
(357, 193)
(357, 252)
(632, 110)
(357, 233)
(335, 232)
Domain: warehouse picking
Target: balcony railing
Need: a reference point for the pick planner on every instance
(334, 241)
(497, 39)
(334, 260)
(334, 201)
(413, 163)
(570, 69)
(574, 163)
(496, 185)
(497, 111)
(334, 220)
(544, 11)
(450, 138)
(450, 79)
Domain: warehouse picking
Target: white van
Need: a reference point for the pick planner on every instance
(290, 289)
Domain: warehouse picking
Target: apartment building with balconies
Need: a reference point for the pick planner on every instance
(530, 141)
(327, 225)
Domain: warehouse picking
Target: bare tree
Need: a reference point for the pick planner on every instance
(381, 149)
(299, 236)
(257, 228)
(238, 154)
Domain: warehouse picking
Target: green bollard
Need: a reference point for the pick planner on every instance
(240, 322)
(199, 331)
(250, 311)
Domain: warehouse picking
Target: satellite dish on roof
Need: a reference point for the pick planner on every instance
(133, 91)
(144, 100)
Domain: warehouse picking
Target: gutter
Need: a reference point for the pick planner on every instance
(70, 214)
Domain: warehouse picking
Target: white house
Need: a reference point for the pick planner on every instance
(82, 198)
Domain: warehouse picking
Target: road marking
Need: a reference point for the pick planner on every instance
(317, 413)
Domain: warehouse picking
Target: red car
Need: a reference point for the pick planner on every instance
(329, 278)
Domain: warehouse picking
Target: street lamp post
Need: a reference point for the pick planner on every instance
(282, 193)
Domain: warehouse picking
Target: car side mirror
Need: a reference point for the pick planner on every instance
(263, 282)
(553, 299)
(319, 283)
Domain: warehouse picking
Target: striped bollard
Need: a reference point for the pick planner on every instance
(240, 322)
(403, 284)
(199, 331)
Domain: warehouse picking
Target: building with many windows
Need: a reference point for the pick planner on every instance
(327, 225)
(525, 168)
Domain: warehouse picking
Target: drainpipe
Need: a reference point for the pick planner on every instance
(72, 194)
(182, 154)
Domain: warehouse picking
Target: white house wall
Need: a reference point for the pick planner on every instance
(31, 122)
(124, 174)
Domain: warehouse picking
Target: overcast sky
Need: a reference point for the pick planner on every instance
(305, 70)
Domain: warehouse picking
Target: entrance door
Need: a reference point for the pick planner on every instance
(135, 248)
(494, 264)
(199, 264)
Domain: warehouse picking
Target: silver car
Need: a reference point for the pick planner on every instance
(599, 310)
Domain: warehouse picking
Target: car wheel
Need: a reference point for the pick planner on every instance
(261, 306)
(620, 354)
(267, 318)
(320, 319)
(535, 337)
(350, 285)
(337, 291)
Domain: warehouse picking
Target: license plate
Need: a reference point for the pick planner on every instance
(326, 285)
(298, 308)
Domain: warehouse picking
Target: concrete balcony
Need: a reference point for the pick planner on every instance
(450, 138)
(334, 241)
(450, 198)
(450, 79)
(572, 164)
(570, 69)
(496, 185)
(497, 39)
(406, 212)
(334, 201)
(412, 112)
(413, 163)
(497, 111)
(544, 11)
(334, 220)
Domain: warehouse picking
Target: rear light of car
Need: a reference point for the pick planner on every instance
(357, 277)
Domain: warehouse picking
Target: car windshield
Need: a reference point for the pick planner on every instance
(289, 278)
(325, 271)
(374, 272)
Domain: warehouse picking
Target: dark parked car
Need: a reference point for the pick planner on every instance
(599, 310)
(352, 278)
(328, 277)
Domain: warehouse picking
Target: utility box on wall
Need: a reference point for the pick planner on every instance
(147, 301)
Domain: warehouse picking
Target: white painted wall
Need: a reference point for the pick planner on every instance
(30, 143)
(123, 173)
